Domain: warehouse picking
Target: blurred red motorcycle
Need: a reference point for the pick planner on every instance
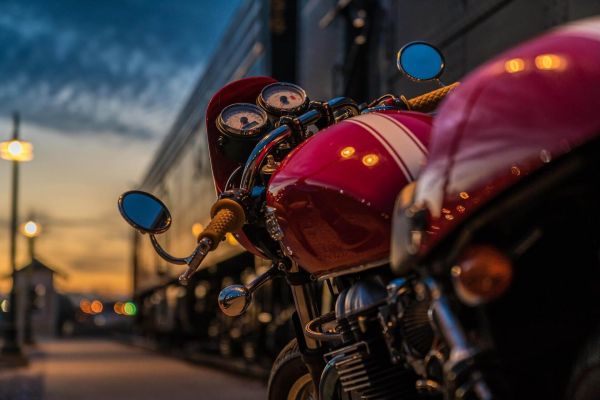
(499, 235)
(311, 186)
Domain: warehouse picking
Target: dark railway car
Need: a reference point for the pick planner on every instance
(323, 46)
(180, 174)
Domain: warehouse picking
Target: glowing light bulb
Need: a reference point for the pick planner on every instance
(31, 229)
(16, 150)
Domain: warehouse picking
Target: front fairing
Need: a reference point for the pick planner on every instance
(241, 91)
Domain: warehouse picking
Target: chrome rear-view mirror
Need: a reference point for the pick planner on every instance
(420, 61)
(144, 212)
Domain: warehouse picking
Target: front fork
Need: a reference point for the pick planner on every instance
(306, 310)
(462, 377)
(235, 299)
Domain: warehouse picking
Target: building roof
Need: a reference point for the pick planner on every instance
(36, 265)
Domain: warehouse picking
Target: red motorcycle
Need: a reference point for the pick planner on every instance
(311, 186)
(499, 235)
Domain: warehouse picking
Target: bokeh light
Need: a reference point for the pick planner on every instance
(129, 308)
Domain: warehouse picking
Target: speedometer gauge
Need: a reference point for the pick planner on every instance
(283, 98)
(242, 119)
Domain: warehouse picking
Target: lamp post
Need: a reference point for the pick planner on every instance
(30, 230)
(16, 151)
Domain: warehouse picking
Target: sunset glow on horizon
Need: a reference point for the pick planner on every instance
(97, 93)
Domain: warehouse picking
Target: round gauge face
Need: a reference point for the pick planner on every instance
(243, 119)
(283, 97)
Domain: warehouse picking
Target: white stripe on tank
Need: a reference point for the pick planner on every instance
(398, 139)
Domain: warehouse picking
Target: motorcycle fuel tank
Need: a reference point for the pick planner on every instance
(514, 115)
(334, 194)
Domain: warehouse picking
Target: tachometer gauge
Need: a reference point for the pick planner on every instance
(283, 98)
(242, 119)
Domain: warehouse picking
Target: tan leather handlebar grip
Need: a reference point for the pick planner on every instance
(429, 101)
(227, 216)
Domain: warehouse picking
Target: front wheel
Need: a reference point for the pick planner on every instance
(290, 379)
(585, 382)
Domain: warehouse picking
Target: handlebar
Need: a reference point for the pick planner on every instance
(227, 216)
(276, 136)
(429, 101)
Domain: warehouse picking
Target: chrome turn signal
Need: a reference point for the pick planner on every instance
(482, 274)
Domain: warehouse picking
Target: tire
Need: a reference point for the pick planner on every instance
(585, 381)
(290, 379)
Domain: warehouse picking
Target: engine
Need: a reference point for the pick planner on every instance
(369, 364)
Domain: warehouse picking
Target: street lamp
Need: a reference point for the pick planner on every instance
(31, 230)
(16, 151)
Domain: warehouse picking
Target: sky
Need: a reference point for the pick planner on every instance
(97, 85)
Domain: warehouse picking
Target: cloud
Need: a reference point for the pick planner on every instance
(109, 75)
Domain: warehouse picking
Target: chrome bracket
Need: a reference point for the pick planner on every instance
(193, 261)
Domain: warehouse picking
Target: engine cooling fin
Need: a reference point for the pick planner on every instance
(364, 365)
(370, 376)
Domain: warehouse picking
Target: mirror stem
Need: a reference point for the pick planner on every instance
(264, 278)
(166, 256)
(193, 261)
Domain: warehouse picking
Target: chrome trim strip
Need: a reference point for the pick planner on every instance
(353, 270)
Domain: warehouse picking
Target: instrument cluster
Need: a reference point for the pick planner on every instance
(253, 120)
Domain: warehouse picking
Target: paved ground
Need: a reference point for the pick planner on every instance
(104, 370)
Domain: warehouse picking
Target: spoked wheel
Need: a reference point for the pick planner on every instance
(290, 379)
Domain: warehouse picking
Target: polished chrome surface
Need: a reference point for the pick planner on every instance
(359, 297)
(195, 259)
(306, 308)
(192, 261)
(259, 153)
(164, 255)
(353, 270)
(311, 329)
(232, 177)
(449, 326)
(234, 300)
(272, 225)
(276, 136)
(329, 378)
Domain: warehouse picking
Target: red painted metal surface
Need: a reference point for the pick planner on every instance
(334, 194)
(515, 114)
(241, 91)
